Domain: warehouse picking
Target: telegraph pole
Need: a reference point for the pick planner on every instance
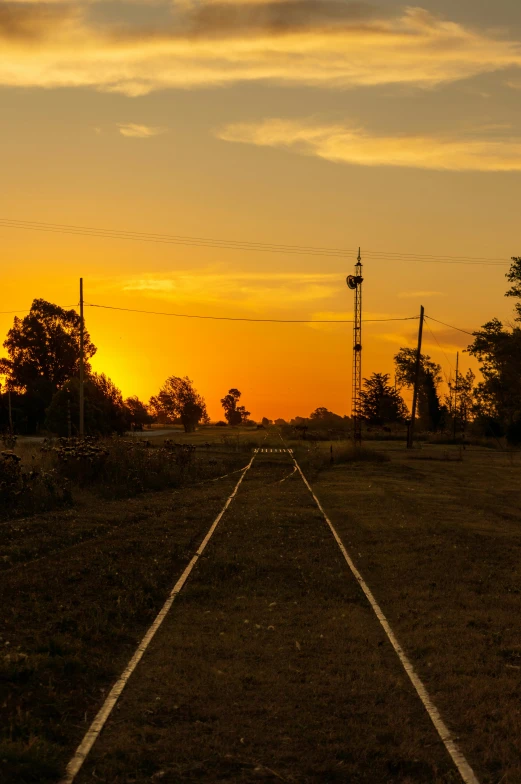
(82, 399)
(410, 434)
(69, 424)
(10, 412)
(456, 395)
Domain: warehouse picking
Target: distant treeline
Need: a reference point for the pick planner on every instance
(40, 387)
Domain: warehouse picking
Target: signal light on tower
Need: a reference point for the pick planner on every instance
(354, 282)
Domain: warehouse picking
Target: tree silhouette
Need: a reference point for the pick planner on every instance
(178, 401)
(138, 413)
(43, 354)
(233, 413)
(105, 411)
(430, 411)
(381, 404)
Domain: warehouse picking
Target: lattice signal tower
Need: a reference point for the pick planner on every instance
(355, 284)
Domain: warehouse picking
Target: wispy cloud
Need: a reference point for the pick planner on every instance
(354, 145)
(136, 131)
(313, 42)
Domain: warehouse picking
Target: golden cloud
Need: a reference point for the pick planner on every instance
(311, 42)
(136, 131)
(352, 145)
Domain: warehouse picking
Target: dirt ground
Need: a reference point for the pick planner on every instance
(271, 664)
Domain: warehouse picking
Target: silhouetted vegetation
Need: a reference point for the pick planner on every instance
(497, 405)
(430, 410)
(178, 401)
(234, 414)
(381, 404)
(43, 354)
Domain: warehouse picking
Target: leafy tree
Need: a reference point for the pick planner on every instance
(234, 414)
(381, 404)
(105, 411)
(514, 277)
(43, 354)
(498, 350)
(430, 411)
(498, 396)
(178, 401)
(463, 394)
(138, 413)
(266, 421)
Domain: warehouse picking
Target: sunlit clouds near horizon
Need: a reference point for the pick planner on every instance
(215, 148)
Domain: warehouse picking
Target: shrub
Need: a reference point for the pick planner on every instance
(78, 459)
(25, 492)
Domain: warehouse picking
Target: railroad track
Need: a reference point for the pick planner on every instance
(92, 735)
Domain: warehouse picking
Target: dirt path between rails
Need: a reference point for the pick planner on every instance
(271, 665)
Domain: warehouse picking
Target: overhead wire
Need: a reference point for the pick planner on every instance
(442, 351)
(236, 318)
(245, 245)
(451, 326)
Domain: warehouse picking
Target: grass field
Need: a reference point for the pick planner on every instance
(271, 664)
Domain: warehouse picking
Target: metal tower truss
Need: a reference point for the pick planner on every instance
(354, 282)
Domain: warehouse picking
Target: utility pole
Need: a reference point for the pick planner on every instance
(10, 412)
(82, 399)
(69, 424)
(410, 434)
(456, 395)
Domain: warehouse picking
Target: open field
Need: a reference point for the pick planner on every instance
(271, 664)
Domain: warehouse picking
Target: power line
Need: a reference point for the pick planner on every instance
(466, 332)
(442, 351)
(28, 310)
(233, 318)
(245, 245)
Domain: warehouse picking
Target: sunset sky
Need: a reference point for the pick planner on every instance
(332, 124)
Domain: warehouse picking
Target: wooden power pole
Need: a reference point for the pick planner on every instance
(82, 398)
(410, 434)
(455, 412)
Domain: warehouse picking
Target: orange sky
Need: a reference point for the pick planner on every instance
(391, 128)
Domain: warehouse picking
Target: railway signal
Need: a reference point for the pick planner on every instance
(354, 282)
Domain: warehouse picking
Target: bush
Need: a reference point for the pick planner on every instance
(78, 459)
(26, 492)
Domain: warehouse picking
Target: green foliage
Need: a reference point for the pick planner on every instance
(381, 404)
(234, 414)
(178, 401)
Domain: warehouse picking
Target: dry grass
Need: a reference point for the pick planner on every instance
(271, 665)
(78, 589)
(439, 542)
